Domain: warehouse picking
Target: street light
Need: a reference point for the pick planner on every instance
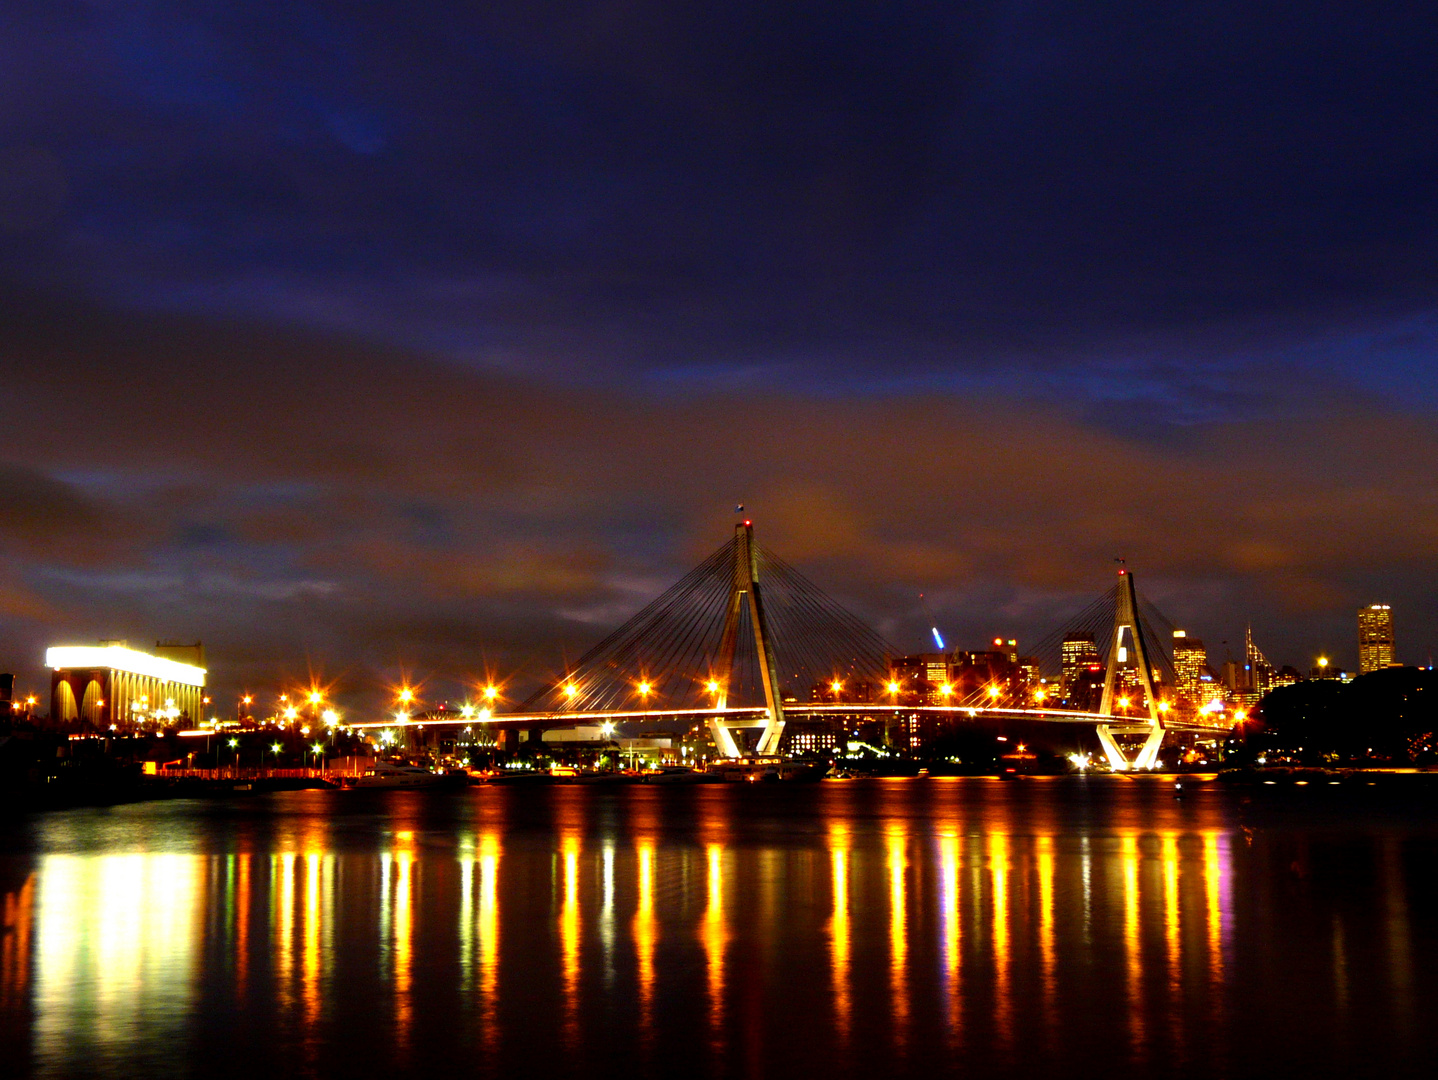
(491, 692)
(331, 718)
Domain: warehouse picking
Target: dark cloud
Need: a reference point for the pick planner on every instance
(499, 521)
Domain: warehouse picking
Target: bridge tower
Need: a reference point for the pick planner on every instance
(1126, 636)
(744, 589)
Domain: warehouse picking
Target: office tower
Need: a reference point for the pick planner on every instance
(1190, 664)
(1375, 638)
(1077, 653)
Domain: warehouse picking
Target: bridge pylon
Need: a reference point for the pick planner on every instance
(1126, 636)
(745, 589)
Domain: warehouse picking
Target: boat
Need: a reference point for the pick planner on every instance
(765, 769)
(677, 774)
(385, 775)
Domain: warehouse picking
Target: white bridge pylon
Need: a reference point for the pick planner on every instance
(1126, 636)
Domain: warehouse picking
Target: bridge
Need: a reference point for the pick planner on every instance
(738, 639)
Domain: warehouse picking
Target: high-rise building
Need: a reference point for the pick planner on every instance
(1258, 671)
(1375, 638)
(1190, 664)
(1077, 652)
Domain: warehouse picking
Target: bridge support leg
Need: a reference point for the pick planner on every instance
(723, 738)
(1119, 761)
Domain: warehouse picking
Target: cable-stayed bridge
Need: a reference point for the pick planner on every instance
(745, 642)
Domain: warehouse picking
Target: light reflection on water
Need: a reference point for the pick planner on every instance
(850, 927)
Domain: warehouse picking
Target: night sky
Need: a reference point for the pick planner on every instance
(374, 338)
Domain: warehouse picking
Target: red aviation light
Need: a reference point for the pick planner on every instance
(748, 522)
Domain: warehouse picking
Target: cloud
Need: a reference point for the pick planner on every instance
(490, 516)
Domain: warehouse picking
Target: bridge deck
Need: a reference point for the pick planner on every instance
(794, 709)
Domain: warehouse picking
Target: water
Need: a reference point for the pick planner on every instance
(859, 928)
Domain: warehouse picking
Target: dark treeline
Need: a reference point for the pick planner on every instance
(1387, 716)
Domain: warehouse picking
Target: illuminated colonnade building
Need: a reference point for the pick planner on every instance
(112, 684)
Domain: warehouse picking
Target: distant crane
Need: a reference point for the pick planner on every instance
(933, 623)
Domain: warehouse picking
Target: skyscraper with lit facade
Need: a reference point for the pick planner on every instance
(1078, 652)
(1190, 663)
(1375, 638)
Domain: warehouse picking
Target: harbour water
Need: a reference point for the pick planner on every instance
(1047, 926)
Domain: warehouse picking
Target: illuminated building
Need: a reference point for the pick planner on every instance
(811, 737)
(111, 684)
(1078, 654)
(1190, 664)
(1259, 670)
(1009, 649)
(922, 678)
(1375, 638)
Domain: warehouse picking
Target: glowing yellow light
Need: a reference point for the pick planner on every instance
(893, 688)
(837, 687)
(490, 692)
(234, 743)
(1040, 694)
(643, 689)
(485, 714)
(1123, 703)
(570, 689)
(291, 713)
(946, 690)
(712, 687)
(317, 747)
(1240, 716)
(406, 695)
(247, 700)
(316, 697)
(330, 717)
(994, 691)
(466, 711)
(276, 748)
(1163, 706)
(1323, 661)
